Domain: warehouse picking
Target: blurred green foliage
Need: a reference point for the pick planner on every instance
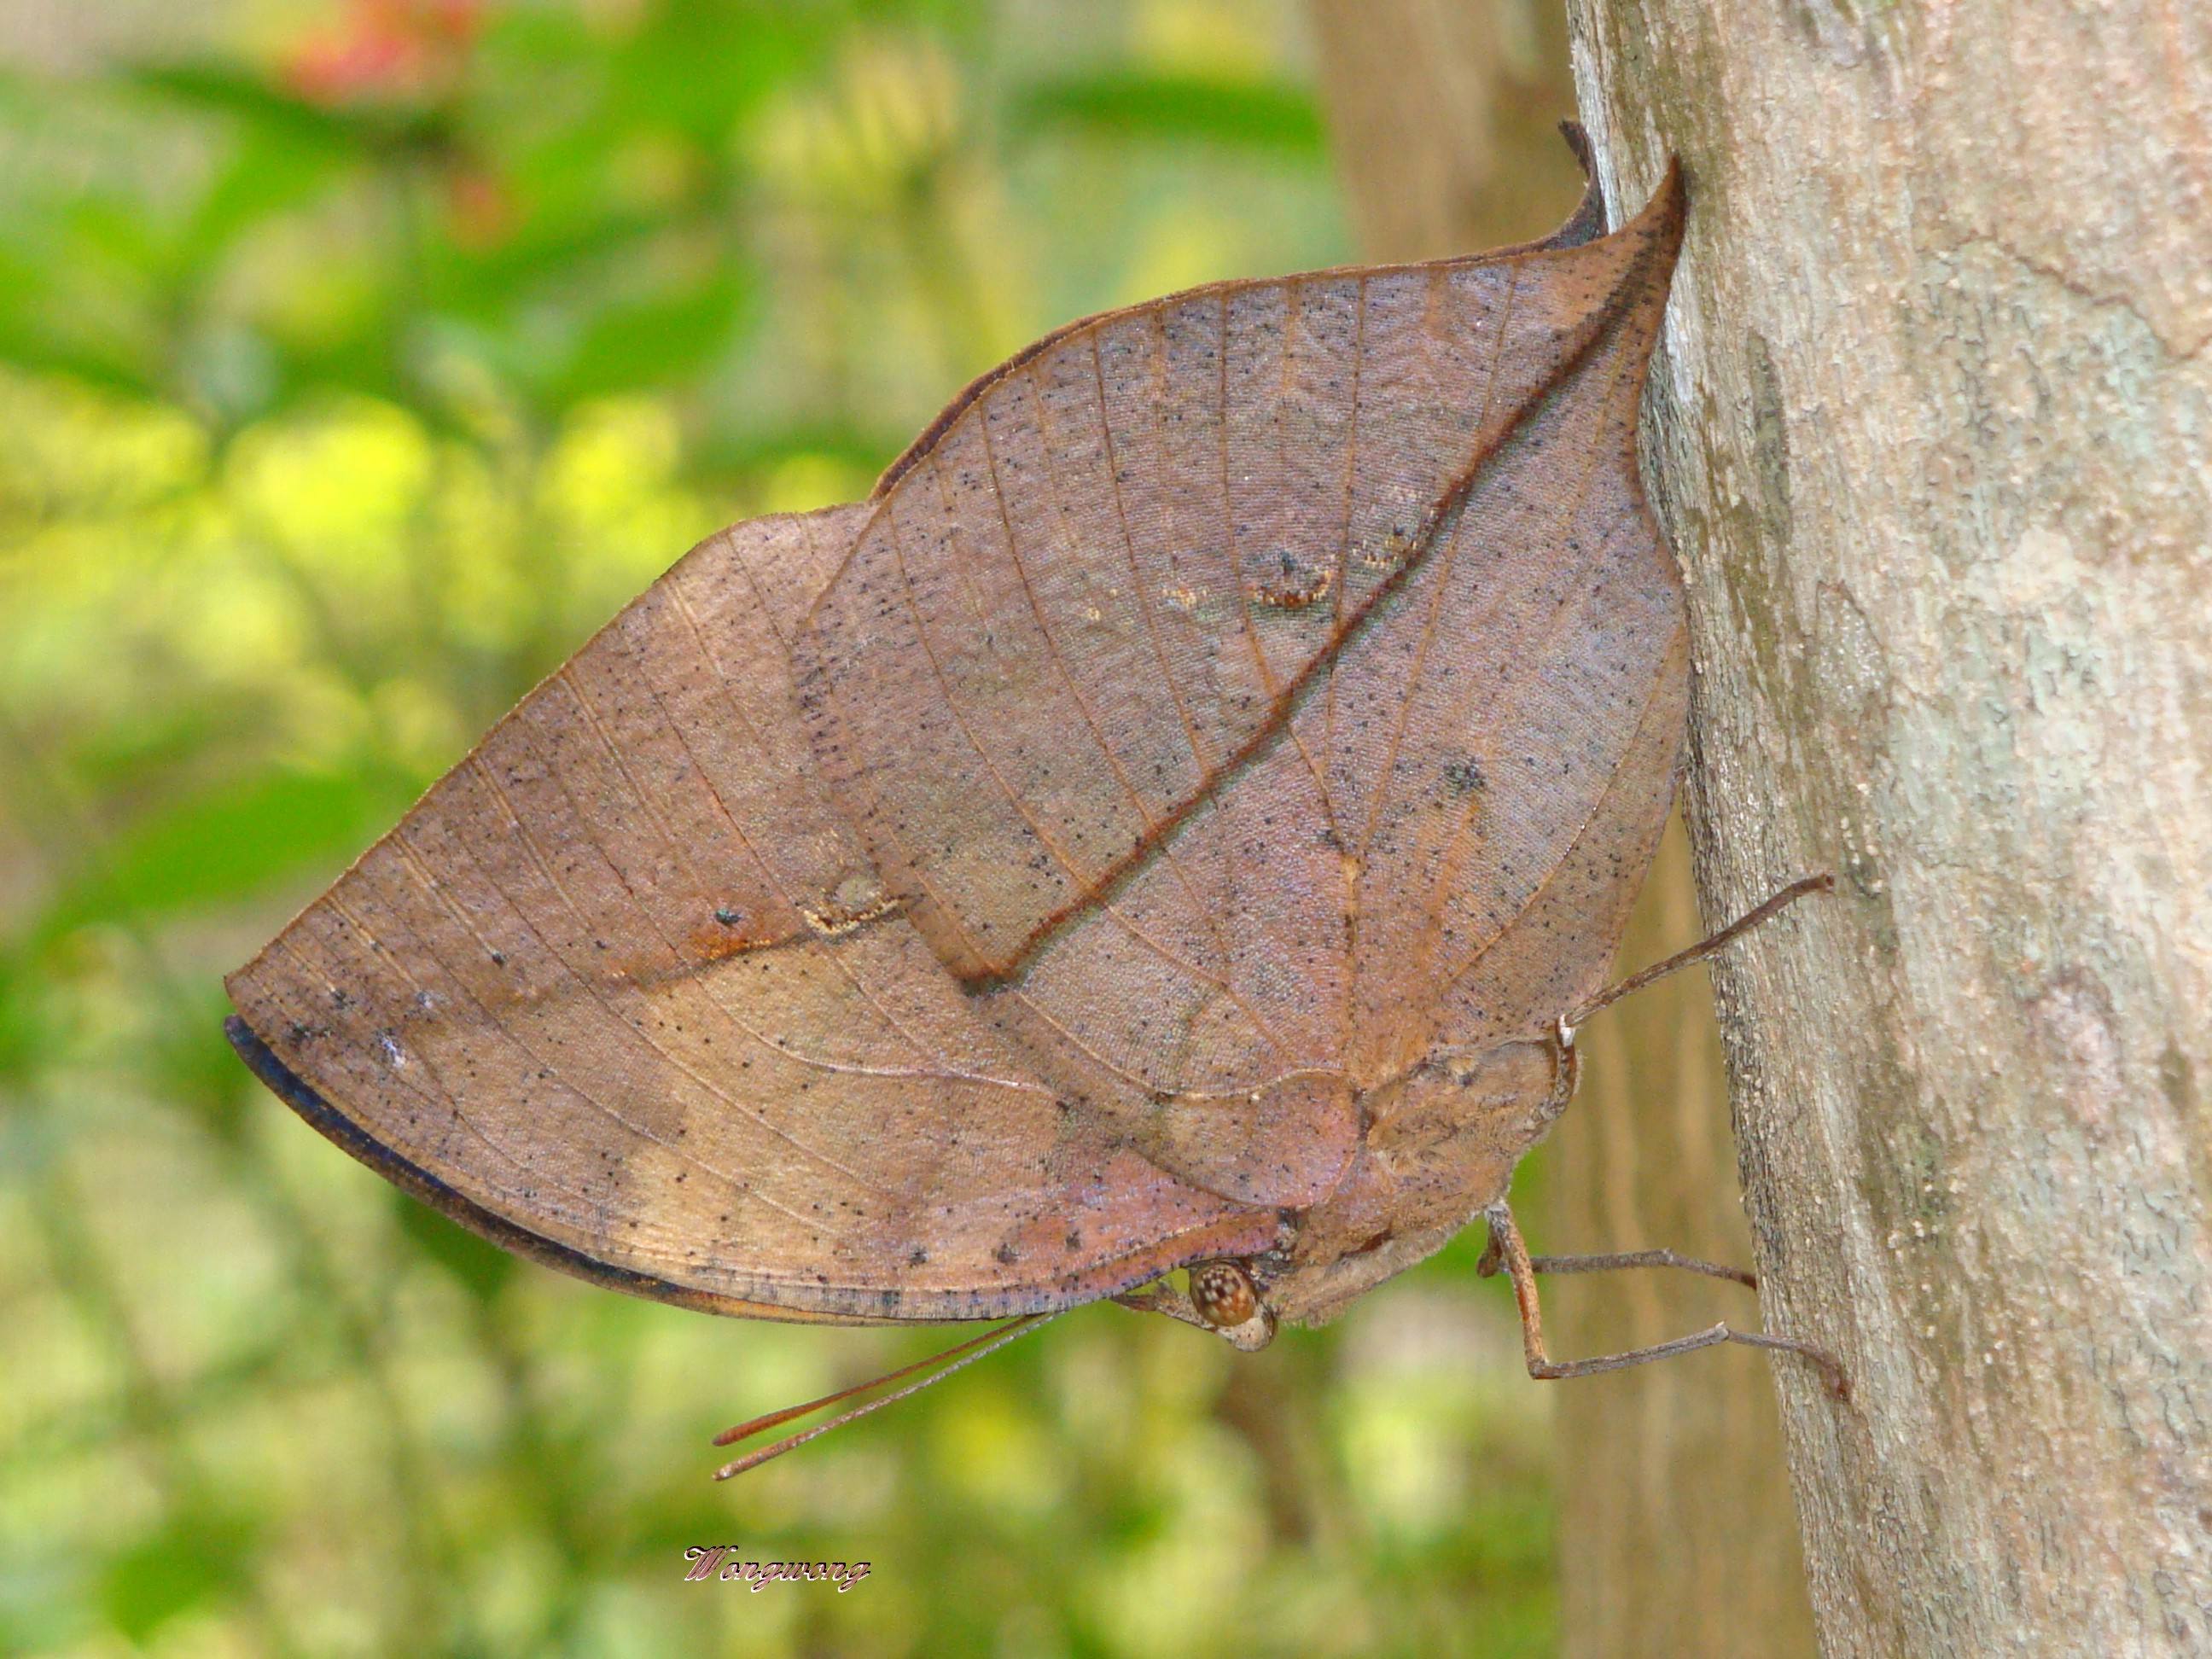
(356, 360)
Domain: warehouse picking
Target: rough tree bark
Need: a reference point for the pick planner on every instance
(1932, 432)
(1677, 1534)
(1676, 1531)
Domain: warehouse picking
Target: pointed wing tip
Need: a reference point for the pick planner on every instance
(235, 986)
(1670, 197)
(1586, 223)
(1661, 221)
(1662, 215)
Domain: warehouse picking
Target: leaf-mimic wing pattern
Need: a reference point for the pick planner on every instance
(1080, 860)
(1229, 675)
(624, 981)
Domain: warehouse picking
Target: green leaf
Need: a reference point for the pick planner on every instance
(216, 847)
(187, 1562)
(735, 453)
(698, 68)
(21, 1032)
(1117, 104)
(670, 338)
(479, 1267)
(265, 176)
(218, 88)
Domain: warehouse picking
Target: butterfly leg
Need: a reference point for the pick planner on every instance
(1494, 1261)
(1506, 1242)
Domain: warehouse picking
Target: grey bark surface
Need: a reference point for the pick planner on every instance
(1676, 1530)
(1677, 1534)
(1931, 429)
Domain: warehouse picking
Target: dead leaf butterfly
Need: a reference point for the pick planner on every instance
(1178, 820)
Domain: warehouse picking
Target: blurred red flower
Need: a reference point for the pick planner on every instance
(386, 51)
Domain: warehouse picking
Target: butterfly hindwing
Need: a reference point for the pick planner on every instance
(621, 983)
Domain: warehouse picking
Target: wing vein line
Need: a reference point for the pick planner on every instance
(1036, 608)
(1136, 576)
(1199, 907)
(835, 958)
(1237, 600)
(707, 983)
(529, 844)
(546, 1204)
(1278, 718)
(1461, 837)
(644, 915)
(1084, 884)
(1573, 841)
(437, 1078)
(729, 695)
(435, 889)
(1436, 605)
(1344, 556)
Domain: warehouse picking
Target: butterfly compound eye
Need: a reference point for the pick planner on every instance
(1223, 1293)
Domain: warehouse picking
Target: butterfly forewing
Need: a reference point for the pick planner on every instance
(1503, 699)
(1223, 678)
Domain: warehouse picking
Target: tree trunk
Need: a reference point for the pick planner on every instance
(1676, 1531)
(1931, 431)
(1677, 1534)
(1445, 115)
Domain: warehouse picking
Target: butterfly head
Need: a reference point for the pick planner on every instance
(1224, 1295)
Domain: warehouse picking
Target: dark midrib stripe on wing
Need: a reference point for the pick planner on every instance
(1442, 513)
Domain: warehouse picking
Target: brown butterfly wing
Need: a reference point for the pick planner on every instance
(623, 991)
(655, 986)
(1232, 675)
(1516, 727)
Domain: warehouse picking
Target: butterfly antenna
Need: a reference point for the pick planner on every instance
(961, 1354)
(1705, 947)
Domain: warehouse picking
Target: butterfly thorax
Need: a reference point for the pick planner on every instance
(1437, 1145)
